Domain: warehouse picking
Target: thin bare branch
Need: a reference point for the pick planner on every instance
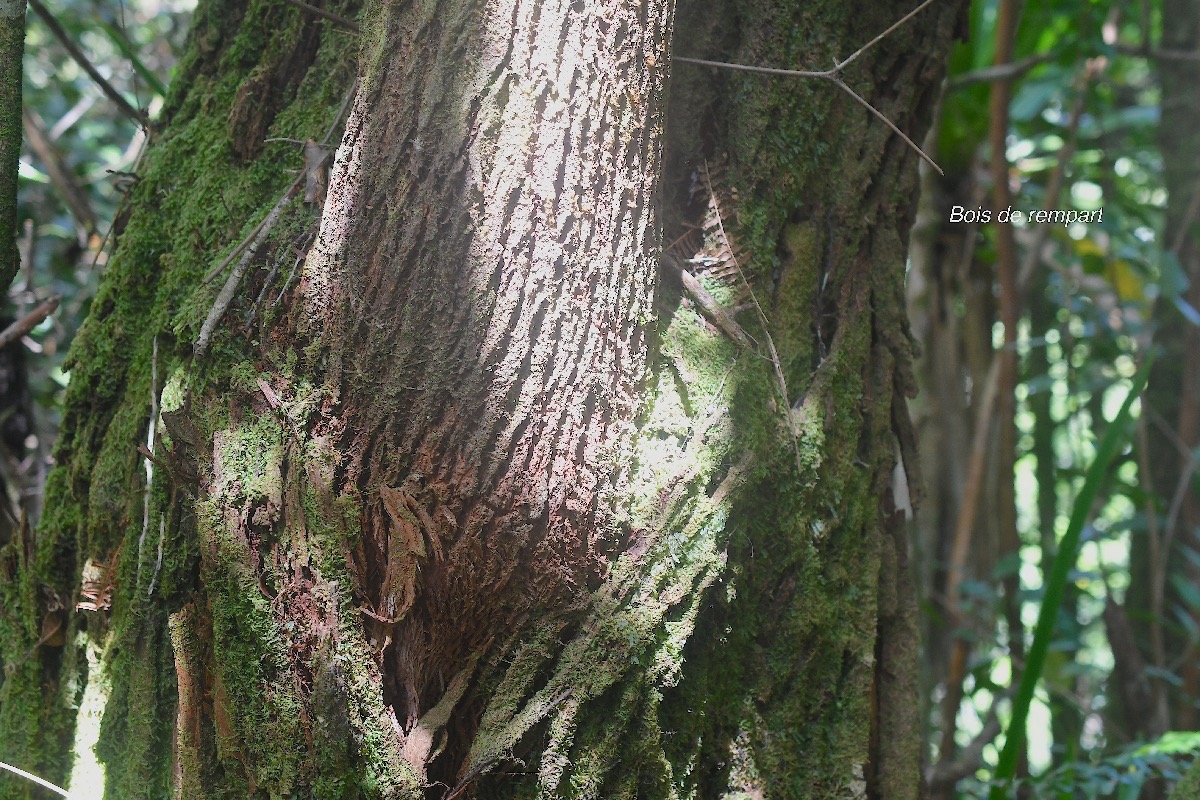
(72, 116)
(162, 535)
(288, 282)
(833, 75)
(788, 73)
(63, 179)
(842, 85)
(1157, 53)
(1015, 69)
(999, 72)
(333, 126)
(255, 234)
(145, 452)
(707, 303)
(250, 245)
(69, 45)
(1177, 499)
(28, 322)
(1033, 253)
(150, 449)
(329, 15)
(945, 774)
(29, 776)
(843, 64)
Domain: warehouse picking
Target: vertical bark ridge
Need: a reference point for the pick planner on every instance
(496, 277)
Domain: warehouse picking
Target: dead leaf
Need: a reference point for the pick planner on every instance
(316, 172)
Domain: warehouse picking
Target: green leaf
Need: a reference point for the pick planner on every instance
(1172, 280)
(1033, 97)
(1056, 582)
(1172, 743)
(121, 43)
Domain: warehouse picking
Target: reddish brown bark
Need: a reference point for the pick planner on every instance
(487, 315)
(487, 510)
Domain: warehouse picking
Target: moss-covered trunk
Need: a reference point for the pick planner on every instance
(499, 495)
(12, 46)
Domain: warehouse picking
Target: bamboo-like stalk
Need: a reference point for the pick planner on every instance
(1056, 581)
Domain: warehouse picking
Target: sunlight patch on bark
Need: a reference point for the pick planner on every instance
(320, 275)
(87, 774)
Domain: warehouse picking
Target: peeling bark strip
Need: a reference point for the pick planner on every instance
(486, 263)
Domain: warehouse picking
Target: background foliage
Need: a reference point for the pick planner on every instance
(80, 152)
(1083, 130)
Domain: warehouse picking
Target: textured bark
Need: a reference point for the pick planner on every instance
(12, 48)
(1178, 382)
(489, 333)
(488, 508)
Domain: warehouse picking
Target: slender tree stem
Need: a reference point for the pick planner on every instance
(29, 776)
(69, 45)
(28, 322)
(12, 49)
(1007, 277)
(853, 56)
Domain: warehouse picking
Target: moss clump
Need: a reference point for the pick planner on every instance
(203, 186)
(254, 693)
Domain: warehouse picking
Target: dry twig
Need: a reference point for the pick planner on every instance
(69, 45)
(707, 303)
(329, 15)
(250, 244)
(28, 322)
(834, 76)
(150, 450)
(62, 178)
(999, 72)
(29, 776)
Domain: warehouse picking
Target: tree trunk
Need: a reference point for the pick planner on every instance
(500, 496)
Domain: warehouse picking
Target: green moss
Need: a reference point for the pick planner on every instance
(353, 736)
(196, 199)
(248, 645)
(795, 305)
(740, 549)
(1188, 787)
(255, 678)
(804, 579)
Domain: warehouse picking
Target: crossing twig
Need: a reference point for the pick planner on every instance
(834, 76)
